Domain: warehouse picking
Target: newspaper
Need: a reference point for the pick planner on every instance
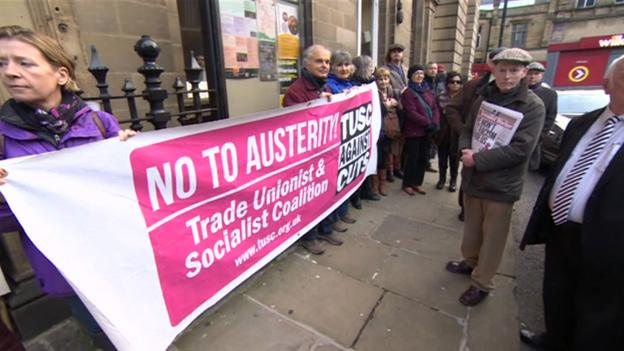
(494, 127)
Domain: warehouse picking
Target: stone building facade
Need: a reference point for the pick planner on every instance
(534, 27)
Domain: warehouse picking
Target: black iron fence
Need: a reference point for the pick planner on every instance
(189, 110)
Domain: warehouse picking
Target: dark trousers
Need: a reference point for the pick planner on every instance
(583, 304)
(448, 158)
(417, 155)
(8, 340)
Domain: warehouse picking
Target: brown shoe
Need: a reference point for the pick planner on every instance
(348, 219)
(473, 296)
(409, 190)
(339, 227)
(331, 238)
(459, 267)
(313, 246)
(420, 190)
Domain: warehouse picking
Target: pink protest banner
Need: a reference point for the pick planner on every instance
(222, 203)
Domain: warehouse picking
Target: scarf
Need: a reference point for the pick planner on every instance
(418, 88)
(492, 94)
(54, 121)
(317, 81)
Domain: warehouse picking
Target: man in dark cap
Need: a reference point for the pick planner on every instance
(459, 106)
(394, 62)
(549, 98)
(492, 178)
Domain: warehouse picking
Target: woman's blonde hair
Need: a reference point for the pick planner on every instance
(50, 48)
(382, 72)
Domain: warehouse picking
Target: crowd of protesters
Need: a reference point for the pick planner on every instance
(424, 109)
(413, 124)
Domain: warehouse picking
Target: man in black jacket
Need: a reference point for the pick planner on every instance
(549, 98)
(578, 215)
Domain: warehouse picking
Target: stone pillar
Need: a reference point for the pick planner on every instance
(422, 25)
(470, 36)
(448, 33)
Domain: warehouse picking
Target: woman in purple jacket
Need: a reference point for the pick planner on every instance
(45, 115)
(422, 119)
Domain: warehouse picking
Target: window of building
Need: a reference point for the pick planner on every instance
(478, 44)
(586, 3)
(519, 33)
(619, 1)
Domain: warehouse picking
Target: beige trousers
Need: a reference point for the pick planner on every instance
(486, 228)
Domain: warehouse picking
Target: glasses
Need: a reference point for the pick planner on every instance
(455, 82)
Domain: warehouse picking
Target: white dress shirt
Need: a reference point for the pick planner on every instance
(590, 179)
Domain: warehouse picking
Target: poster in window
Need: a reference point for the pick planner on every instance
(287, 45)
(265, 18)
(240, 38)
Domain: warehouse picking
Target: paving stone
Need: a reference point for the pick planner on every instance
(68, 335)
(368, 219)
(418, 236)
(424, 280)
(359, 258)
(242, 324)
(326, 300)
(493, 325)
(403, 325)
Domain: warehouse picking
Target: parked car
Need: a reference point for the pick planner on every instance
(570, 104)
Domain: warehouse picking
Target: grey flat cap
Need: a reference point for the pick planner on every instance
(514, 55)
(396, 47)
(536, 66)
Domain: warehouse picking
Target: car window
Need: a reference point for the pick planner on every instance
(579, 103)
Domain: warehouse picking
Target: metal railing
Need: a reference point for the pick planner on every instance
(189, 110)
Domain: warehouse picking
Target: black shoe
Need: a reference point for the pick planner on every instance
(452, 187)
(440, 184)
(460, 216)
(372, 197)
(398, 173)
(431, 170)
(357, 203)
(390, 177)
(473, 296)
(534, 340)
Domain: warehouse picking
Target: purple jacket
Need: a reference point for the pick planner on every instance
(21, 142)
(416, 119)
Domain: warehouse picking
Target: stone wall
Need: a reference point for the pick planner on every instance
(334, 24)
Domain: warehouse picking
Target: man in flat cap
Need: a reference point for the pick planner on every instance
(394, 62)
(458, 108)
(549, 98)
(492, 178)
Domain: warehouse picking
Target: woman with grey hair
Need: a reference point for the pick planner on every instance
(340, 72)
(364, 69)
(338, 81)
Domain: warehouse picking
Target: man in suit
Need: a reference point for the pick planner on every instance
(578, 215)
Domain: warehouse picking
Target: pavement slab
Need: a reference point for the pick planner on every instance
(421, 237)
(359, 258)
(400, 324)
(424, 280)
(242, 324)
(328, 301)
(493, 325)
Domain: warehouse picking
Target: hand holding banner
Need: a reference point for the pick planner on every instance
(153, 231)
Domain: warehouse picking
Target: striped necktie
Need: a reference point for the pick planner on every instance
(565, 194)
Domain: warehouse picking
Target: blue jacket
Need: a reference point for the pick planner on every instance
(337, 85)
